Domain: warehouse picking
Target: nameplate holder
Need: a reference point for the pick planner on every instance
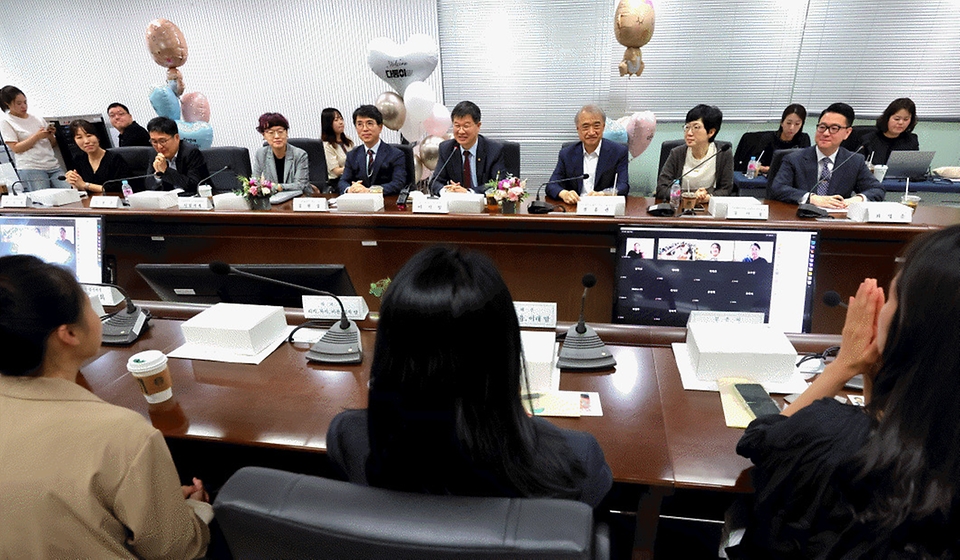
(602, 205)
(107, 295)
(758, 212)
(725, 317)
(880, 212)
(326, 307)
(105, 202)
(428, 205)
(194, 203)
(310, 205)
(536, 314)
(14, 201)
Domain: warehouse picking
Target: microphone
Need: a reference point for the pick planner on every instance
(833, 299)
(339, 345)
(212, 175)
(808, 210)
(537, 207)
(124, 326)
(436, 173)
(13, 190)
(582, 348)
(105, 183)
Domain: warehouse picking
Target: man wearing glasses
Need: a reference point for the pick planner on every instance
(374, 162)
(469, 160)
(826, 175)
(605, 163)
(179, 164)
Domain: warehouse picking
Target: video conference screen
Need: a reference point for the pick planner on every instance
(73, 242)
(665, 273)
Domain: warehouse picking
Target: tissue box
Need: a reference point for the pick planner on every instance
(153, 200)
(464, 203)
(881, 212)
(538, 353)
(245, 329)
(360, 202)
(755, 352)
(54, 197)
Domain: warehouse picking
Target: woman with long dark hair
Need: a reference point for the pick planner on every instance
(789, 135)
(336, 144)
(445, 413)
(78, 477)
(836, 481)
(894, 132)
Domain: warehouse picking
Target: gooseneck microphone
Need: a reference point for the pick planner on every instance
(538, 207)
(719, 151)
(124, 326)
(436, 172)
(339, 345)
(808, 210)
(833, 299)
(105, 183)
(582, 348)
(212, 175)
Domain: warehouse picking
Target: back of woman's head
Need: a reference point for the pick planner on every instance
(35, 299)
(915, 448)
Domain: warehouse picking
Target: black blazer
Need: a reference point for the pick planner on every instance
(612, 164)
(191, 169)
(489, 164)
(112, 166)
(800, 171)
(134, 135)
(389, 169)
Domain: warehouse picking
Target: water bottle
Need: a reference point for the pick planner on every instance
(675, 194)
(752, 168)
(126, 189)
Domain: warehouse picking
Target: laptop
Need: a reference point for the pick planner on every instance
(908, 163)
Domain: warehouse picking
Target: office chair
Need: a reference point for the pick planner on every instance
(775, 163)
(750, 145)
(236, 158)
(511, 156)
(317, 161)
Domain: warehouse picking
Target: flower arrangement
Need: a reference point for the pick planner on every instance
(377, 288)
(251, 188)
(511, 189)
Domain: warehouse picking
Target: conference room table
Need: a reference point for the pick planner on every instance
(542, 257)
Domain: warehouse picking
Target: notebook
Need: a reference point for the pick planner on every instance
(908, 163)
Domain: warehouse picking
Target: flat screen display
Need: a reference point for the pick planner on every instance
(665, 273)
(70, 241)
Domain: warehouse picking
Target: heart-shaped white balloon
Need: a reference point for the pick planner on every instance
(401, 65)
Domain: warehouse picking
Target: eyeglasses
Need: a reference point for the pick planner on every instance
(275, 132)
(692, 127)
(160, 141)
(833, 128)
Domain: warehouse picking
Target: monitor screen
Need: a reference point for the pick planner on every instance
(196, 283)
(74, 242)
(664, 273)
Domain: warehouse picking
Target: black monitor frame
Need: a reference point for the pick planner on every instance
(88, 248)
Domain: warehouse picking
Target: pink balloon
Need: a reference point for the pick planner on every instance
(438, 123)
(166, 43)
(195, 107)
(640, 130)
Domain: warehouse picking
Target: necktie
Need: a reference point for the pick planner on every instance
(369, 162)
(467, 181)
(824, 183)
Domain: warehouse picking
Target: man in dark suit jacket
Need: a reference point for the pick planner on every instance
(131, 133)
(836, 176)
(606, 164)
(373, 162)
(179, 164)
(484, 159)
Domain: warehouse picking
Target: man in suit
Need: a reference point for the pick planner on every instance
(470, 159)
(606, 164)
(836, 176)
(374, 162)
(131, 133)
(179, 164)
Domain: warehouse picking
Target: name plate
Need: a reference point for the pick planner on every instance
(14, 201)
(194, 203)
(105, 202)
(536, 314)
(301, 204)
(758, 212)
(325, 307)
(427, 205)
(725, 317)
(602, 205)
(107, 295)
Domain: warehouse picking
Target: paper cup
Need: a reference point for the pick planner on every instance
(205, 191)
(879, 171)
(688, 200)
(150, 370)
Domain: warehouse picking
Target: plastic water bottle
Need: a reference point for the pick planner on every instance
(126, 189)
(675, 194)
(752, 168)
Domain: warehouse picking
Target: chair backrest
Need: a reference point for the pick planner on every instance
(138, 158)
(775, 162)
(317, 160)
(235, 158)
(856, 136)
(750, 145)
(266, 513)
(409, 162)
(671, 144)
(511, 156)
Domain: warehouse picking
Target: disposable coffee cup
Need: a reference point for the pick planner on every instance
(205, 191)
(150, 370)
(879, 171)
(910, 200)
(688, 200)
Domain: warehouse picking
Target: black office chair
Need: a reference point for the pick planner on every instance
(856, 137)
(671, 144)
(317, 161)
(409, 162)
(775, 163)
(235, 158)
(266, 513)
(511, 156)
(750, 145)
(139, 160)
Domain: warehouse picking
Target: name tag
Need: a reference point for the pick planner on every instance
(427, 205)
(194, 203)
(310, 205)
(14, 201)
(597, 209)
(105, 202)
(536, 314)
(325, 307)
(107, 295)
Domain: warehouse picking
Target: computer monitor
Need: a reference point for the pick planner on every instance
(665, 273)
(196, 283)
(71, 241)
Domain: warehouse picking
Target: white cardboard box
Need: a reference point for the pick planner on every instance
(230, 201)
(539, 351)
(756, 352)
(360, 202)
(464, 203)
(55, 197)
(153, 200)
(880, 212)
(245, 329)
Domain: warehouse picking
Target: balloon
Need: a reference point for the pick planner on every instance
(411, 130)
(640, 131)
(419, 99)
(438, 123)
(166, 43)
(401, 65)
(200, 133)
(615, 131)
(393, 110)
(165, 102)
(633, 24)
(430, 151)
(195, 107)
(175, 81)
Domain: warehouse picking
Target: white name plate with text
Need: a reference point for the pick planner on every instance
(326, 307)
(105, 201)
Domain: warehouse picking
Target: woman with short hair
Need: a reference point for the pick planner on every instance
(98, 166)
(279, 162)
(704, 170)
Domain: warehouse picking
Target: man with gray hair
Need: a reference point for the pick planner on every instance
(605, 163)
